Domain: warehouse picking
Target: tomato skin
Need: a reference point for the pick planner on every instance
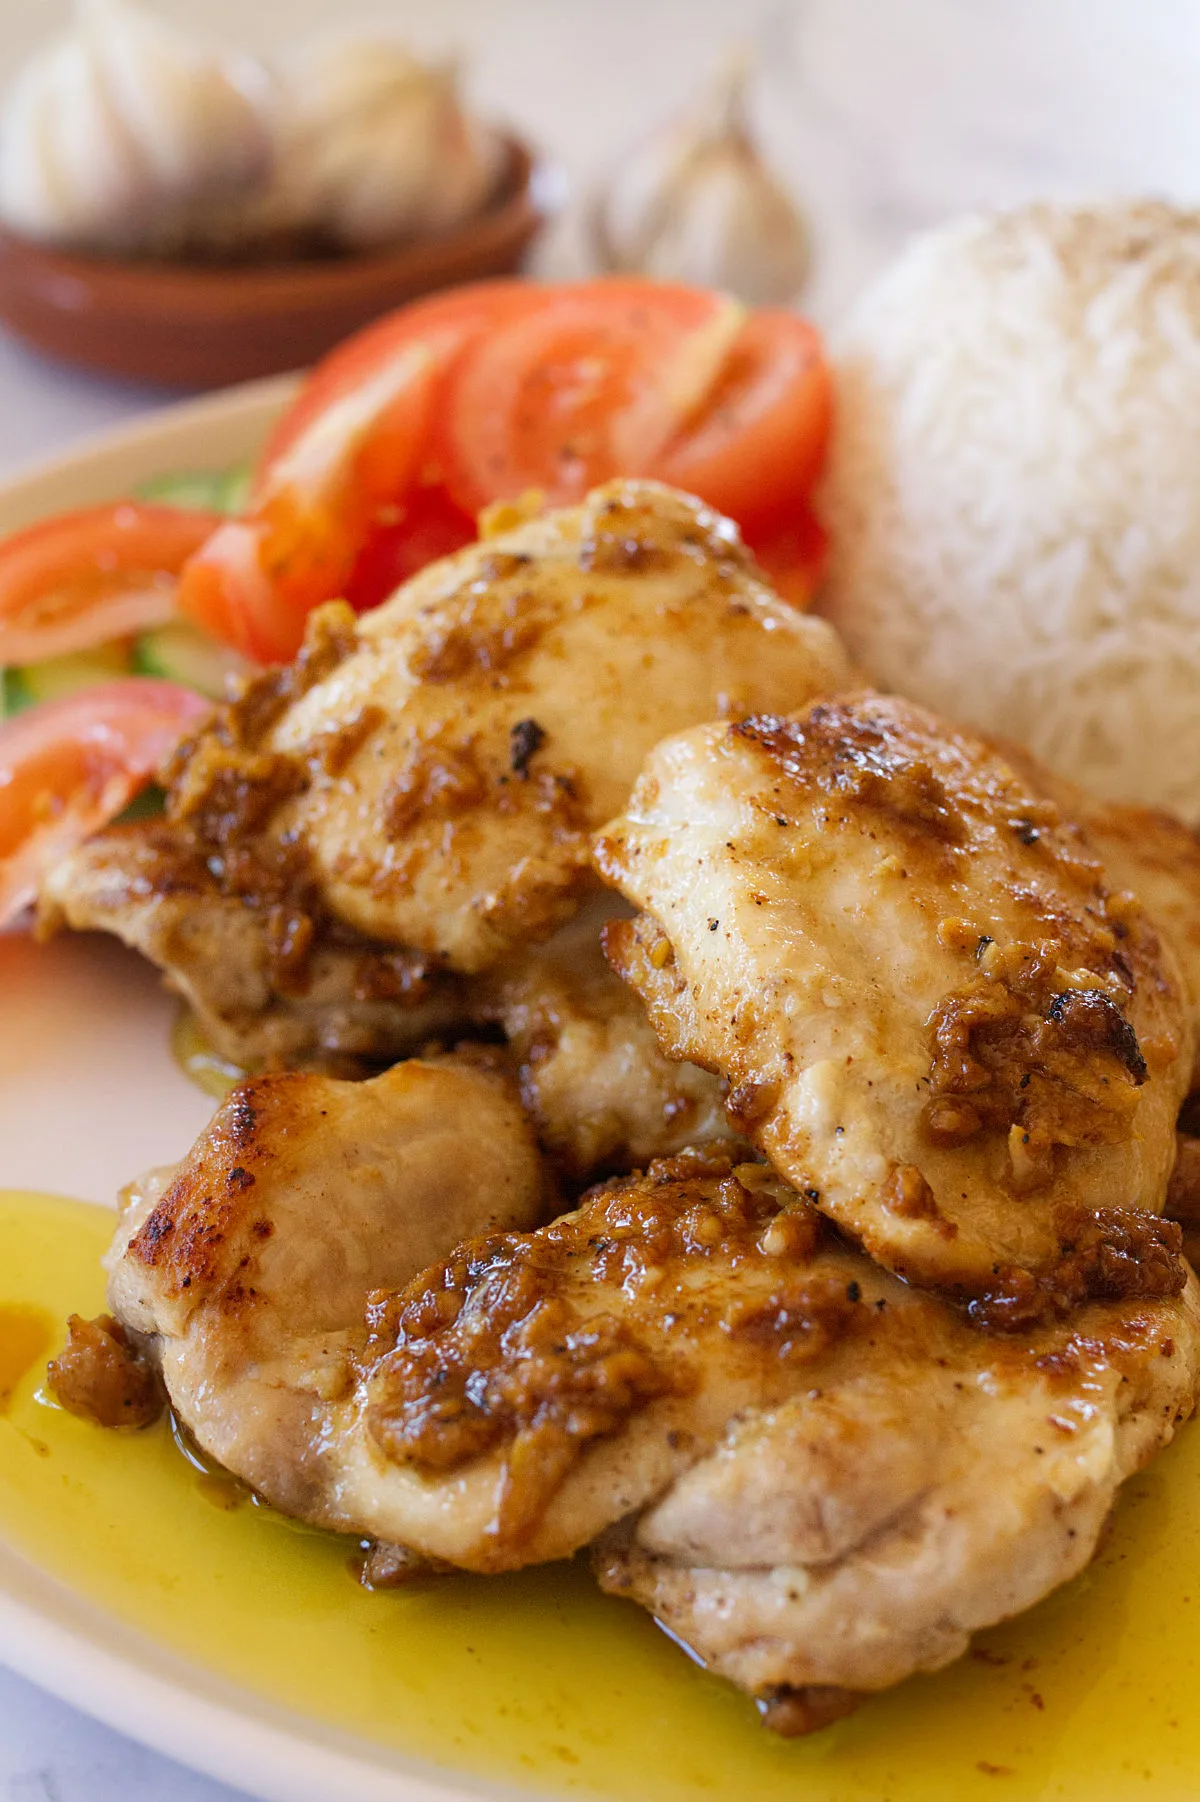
(68, 767)
(225, 589)
(402, 434)
(427, 526)
(641, 378)
(792, 552)
(84, 578)
(539, 402)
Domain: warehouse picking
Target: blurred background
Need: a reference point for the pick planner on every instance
(881, 116)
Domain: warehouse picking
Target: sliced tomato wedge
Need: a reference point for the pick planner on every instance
(86, 578)
(760, 436)
(587, 386)
(256, 579)
(360, 438)
(404, 433)
(67, 767)
(792, 554)
(457, 315)
(225, 589)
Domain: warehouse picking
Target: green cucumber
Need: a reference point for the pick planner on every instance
(14, 696)
(215, 491)
(182, 653)
(58, 676)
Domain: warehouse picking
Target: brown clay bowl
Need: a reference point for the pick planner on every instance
(195, 325)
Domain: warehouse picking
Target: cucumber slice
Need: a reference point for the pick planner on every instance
(235, 496)
(182, 653)
(217, 491)
(14, 696)
(59, 676)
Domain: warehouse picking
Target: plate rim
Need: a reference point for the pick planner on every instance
(241, 413)
(54, 1637)
(52, 1634)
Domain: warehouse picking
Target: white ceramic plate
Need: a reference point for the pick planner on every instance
(86, 1099)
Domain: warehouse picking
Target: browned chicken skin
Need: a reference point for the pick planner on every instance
(936, 1014)
(1158, 857)
(601, 1093)
(1144, 849)
(346, 1004)
(499, 706)
(931, 1481)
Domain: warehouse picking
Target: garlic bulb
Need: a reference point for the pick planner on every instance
(119, 134)
(375, 147)
(697, 204)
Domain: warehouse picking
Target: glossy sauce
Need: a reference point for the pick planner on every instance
(26, 1336)
(198, 1060)
(539, 1680)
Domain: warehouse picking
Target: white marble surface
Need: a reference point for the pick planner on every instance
(886, 114)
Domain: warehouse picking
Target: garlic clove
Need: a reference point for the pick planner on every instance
(197, 118)
(697, 204)
(115, 132)
(375, 147)
(61, 184)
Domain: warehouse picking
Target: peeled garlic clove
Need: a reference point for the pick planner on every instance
(375, 147)
(113, 134)
(697, 204)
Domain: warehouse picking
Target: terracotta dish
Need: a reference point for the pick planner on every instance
(192, 325)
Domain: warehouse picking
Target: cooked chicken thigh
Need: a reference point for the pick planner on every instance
(499, 706)
(937, 1018)
(814, 1474)
(1183, 1192)
(250, 1266)
(602, 1094)
(260, 996)
(430, 773)
(933, 1481)
(945, 1023)
(1158, 857)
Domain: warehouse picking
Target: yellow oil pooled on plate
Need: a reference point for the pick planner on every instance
(537, 1679)
(26, 1335)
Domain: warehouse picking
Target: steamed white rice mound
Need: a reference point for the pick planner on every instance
(1014, 497)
